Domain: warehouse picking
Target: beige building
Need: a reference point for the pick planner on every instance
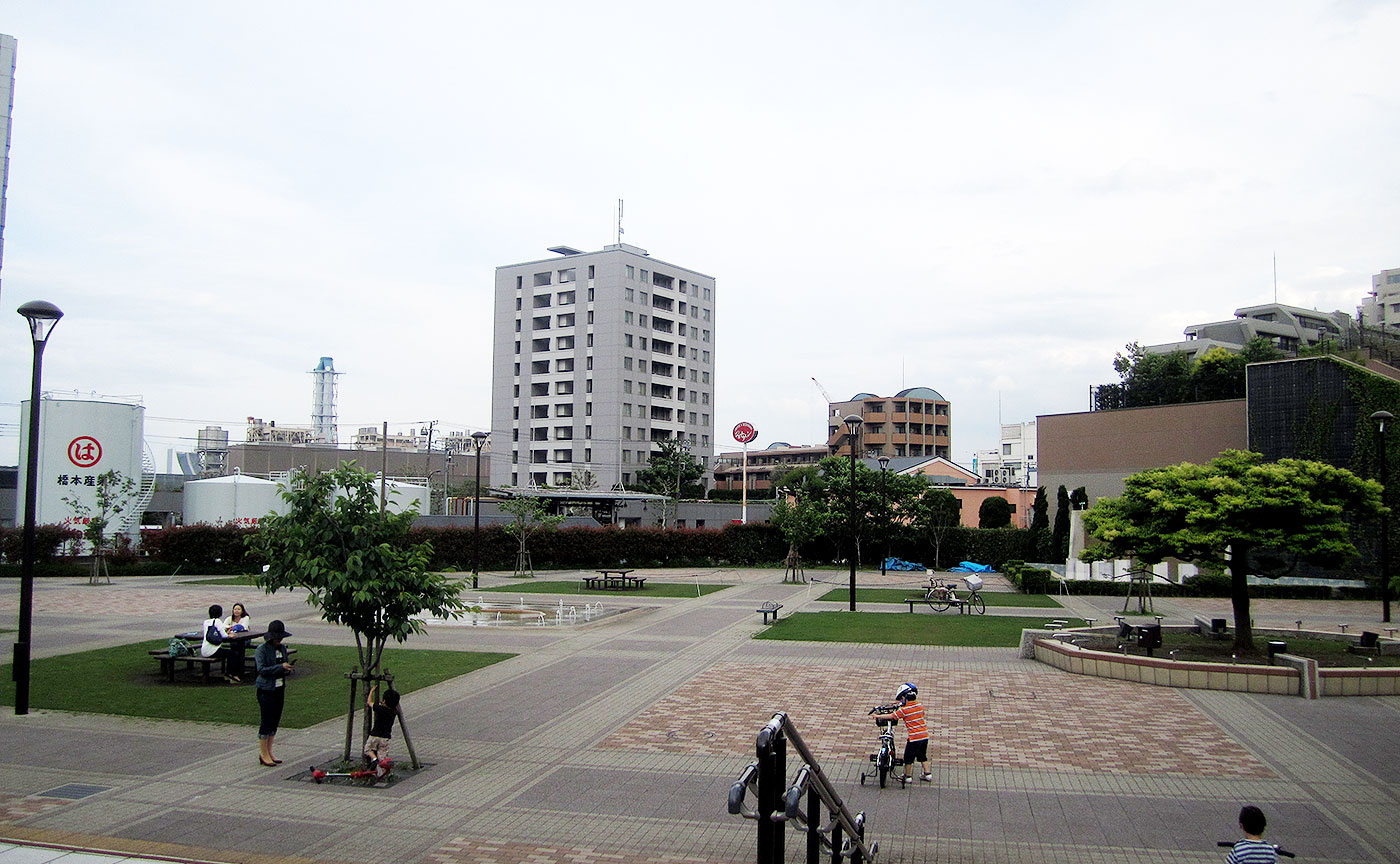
(913, 422)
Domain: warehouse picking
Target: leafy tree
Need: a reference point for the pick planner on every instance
(1079, 498)
(1040, 519)
(995, 512)
(936, 513)
(112, 497)
(806, 480)
(1059, 535)
(1218, 514)
(673, 472)
(800, 521)
(530, 519)
(355, 562)
(582, 480)
(1146, 378)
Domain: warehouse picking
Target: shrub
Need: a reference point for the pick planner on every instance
(48, 540)
(210, 548)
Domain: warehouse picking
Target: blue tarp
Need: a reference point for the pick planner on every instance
(971, 567)
(900, 564)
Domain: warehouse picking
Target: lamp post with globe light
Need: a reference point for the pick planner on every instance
(853, 423)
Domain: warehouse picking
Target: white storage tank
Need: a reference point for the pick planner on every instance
(402, 496)
(235, 499)
(80, 439)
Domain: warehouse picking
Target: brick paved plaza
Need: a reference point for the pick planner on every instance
(617, 741)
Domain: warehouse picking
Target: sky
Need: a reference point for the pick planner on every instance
(990, 199)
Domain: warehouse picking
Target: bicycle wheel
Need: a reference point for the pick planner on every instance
(977, 603)
(884, 772)
(938, 600)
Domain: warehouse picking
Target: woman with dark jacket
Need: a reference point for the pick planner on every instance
(273, 670)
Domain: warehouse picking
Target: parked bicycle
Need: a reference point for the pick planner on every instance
(942, 594)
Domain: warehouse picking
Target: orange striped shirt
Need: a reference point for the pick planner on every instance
(913, 717)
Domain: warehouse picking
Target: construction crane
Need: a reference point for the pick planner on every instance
(826, 395)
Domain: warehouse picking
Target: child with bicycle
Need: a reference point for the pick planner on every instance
(911, 711)
(1252, 849)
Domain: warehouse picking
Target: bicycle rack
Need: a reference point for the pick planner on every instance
(843, 835)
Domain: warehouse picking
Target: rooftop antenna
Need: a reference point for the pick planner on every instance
(1276, 277)
(619, 221)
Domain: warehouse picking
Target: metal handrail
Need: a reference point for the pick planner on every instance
(775, 808)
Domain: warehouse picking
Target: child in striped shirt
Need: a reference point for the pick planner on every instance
(915, 726)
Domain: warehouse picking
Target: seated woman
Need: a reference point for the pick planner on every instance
(232, 651)
(238, 619)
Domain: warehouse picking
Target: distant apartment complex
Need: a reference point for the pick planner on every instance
(913, 422)
(597, 357)
(764, 466)
(1289, 328)
(1382, 308)
(1013, 463)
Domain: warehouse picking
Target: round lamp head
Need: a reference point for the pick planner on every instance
(1382, 418)
(42, 316)
(884, 462)
(853, 422)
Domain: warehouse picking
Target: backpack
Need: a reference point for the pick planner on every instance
(213, 636)
(180, 648)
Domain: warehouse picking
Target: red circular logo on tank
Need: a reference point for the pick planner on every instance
(84, 451)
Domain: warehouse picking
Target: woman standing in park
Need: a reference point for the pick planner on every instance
(273, 670)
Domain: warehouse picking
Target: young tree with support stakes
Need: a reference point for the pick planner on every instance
(673, 472)
(113, 494)
(1220, 513)
(530, 518)
(936, 513)
(355, 562)
(801, 522)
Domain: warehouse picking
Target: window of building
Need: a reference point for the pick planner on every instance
(631, 274)
(566, 298)
(564, 364)
(519, 284)
(540, 434)
(539, 411)
(646, 277)
(705, 419)
(539, 367)
(590, 340)
(564, 409)
(626, 409)
(694, 353)
(539, 389)
(707, 293)
(515, 434)
(517, 346)
(704, 335)
(642, 342)
(588, 386)
(626, 433)
(629, 295)
(517, 391)
(539, 345)
(590, 271)
(627, 317)
(627, 339)
(588, 407)
(517, 325)
(542, 301)
(626, 385)
(516, 413)
(706, 315)
(694, 375)
(563, 433)
(590, 316)
(705, 398)
(626, 457)
(565, 320)
(705, 356)
(627, 363)
(705, 377)
(517, 370)
(1006, 449)
(642, 320)
(564, 456)
(564, 343)
(563, 388)
(567, 275)
(542, 279)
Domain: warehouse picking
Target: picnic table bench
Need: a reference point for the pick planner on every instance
(614, 580)
(167, 663)
(770, 610)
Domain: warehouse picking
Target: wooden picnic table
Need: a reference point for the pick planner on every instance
(614, 580)
(196, 638)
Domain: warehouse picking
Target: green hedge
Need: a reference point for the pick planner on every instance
(48, 540)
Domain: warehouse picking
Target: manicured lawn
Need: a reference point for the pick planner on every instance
(898, 595)
(1327, 652)
(982, 631)
(651, 589)
(126, 680)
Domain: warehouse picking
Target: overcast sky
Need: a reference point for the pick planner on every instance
(989, 199)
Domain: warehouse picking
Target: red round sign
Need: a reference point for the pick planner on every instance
(84, 451)
(744, 433)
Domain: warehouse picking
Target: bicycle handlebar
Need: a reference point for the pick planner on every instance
(1279, 850)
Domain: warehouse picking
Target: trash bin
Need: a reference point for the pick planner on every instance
(1149, 636)
(1276, 648)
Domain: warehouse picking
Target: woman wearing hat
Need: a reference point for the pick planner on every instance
(273, 670)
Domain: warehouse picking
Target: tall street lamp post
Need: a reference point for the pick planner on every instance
(853, 424)
(446, 481)
(681, 453)
(478, 441)
(1381, 418)
(42, 317)
(884, 512)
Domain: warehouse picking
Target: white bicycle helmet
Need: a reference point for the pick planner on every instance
(906, 692)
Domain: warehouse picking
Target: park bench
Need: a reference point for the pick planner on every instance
(1369, 643)
(167, 663)
(769, 610)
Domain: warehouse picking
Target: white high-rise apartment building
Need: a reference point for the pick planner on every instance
(1382, 308)
(597, 355)
(7, 102)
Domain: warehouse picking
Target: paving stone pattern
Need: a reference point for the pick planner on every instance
(617, 741)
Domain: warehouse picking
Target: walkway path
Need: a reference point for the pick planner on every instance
(616, 741)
